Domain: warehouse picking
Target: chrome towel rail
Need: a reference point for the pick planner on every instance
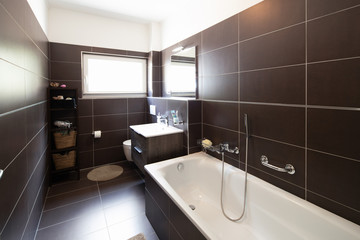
(288, 167)
(1, 173)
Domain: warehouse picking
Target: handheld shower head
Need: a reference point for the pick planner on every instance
(246, 125)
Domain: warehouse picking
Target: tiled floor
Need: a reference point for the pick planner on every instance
(86, 210)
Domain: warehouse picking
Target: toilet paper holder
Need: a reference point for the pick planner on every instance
(96, 134)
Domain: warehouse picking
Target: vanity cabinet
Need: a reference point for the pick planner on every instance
(145, 150)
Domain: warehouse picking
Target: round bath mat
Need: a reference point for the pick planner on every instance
(105, 173)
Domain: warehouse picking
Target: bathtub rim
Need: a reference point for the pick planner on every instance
(154, 170)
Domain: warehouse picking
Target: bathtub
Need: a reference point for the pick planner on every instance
(271, 213)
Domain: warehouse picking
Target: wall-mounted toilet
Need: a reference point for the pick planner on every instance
(127, 149)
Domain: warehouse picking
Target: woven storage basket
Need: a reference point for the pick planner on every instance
(65, 139)
(64, 160)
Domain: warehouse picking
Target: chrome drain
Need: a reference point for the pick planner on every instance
(192, 207)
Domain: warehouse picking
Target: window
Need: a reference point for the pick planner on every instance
(107, 74)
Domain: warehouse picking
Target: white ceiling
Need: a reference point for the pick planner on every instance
(143, 11)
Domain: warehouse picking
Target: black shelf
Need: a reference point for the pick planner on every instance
(62, 110)
(63, 150)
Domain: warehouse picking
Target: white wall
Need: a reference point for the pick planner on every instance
(40, 9)
(72, 27)
(198, 16)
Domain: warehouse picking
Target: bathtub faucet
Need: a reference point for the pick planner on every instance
(225, 147)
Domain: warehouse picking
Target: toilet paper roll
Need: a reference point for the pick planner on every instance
(97, 134)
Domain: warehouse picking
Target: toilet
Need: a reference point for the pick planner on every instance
(127, 149)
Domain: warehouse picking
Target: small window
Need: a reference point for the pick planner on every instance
(108, 74)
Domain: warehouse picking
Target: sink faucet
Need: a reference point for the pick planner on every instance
(164, 119)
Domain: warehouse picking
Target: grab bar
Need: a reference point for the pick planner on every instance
(288, 167)
(1, 173)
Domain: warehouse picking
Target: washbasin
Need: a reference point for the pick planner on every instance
(155, 129)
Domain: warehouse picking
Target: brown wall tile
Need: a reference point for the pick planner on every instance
(285, 124)
(65, 71)
(195, 111)
(224, 60)
(136, 105)
(281, 48)
(326, 182)
(110, 122)
(280, 85)
(108, 155)
(317, 8)
(223, 87)
(67, 52)
(334, 83)
(221, 114)
(110, 139)
(334, 36)
(222, 34)
(269, 16)
(109, 106)
(334, 131)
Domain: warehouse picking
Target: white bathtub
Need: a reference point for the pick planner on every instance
(271, 213)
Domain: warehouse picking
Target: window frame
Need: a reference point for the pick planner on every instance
(112, 94)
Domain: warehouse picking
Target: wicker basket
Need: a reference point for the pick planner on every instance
(64, 160)
(65, 139)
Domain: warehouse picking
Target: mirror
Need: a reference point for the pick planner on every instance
(182, 74)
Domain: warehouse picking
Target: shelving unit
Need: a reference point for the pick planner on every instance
(63, 110)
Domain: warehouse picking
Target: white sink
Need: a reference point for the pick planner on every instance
(154, 129)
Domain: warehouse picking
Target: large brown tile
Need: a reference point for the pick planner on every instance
(137, 118)
(70, 211)
(334, 83)
(222, 34)
(195, 109)
(65, 71)
(123, 183)
(334, 131)
(194, 134)
(108, 50)
(285, 47)
(334, 36)
(221, 114)
(136, 105)
(323, 173)
(85, 125)
(75, 228)
(12, 183)
(126, 195)
(67, 52)
(110, 122)
(108, 155)
(285, 124)
(71, 197)
(269, 16)
(35, 150)
(85, 107)
(66, 187)
(12, 39)
(125, 210)
(131, 227)
(16, 10)
(34, 60)
(109, 106)
(158, 195)
(36, 88)
(223, 87)
(12, 126)
(17, 221)
(221, 61)
(85, 142)
(86, 159)
(334, 207)
(35, 120)
(110, 139)
(279, 155)
(12, 91)
(280, 85)
(317, 8)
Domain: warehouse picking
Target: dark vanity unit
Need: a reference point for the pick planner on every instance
(153, 142)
